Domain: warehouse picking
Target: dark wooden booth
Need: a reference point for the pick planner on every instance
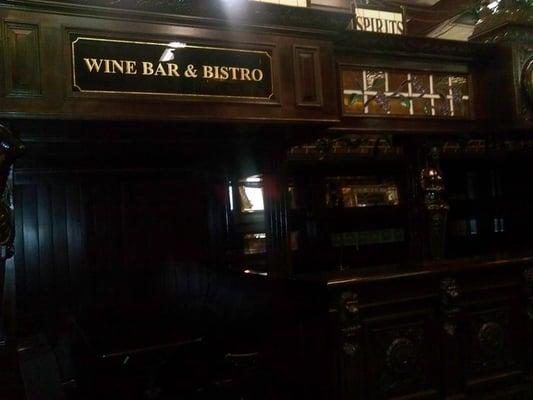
(388, 256)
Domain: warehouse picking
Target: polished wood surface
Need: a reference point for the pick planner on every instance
(127, 278)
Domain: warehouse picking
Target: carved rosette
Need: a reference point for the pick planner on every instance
(491, 337)
(449, 295)
(490, 348)
(402, 356)
(350, 319)
(433, 189)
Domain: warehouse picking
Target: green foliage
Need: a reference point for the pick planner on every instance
(379, 82)
(406, 103)
(355, 98)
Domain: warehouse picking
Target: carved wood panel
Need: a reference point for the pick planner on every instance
(492, 341)
(307, 76)
(401, 357)
(22, 58)
(488, 338)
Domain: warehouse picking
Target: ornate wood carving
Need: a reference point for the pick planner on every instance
(491, 338)
(436, 208)
(350, 319)
(402, 358)
(402, 355)
(489, 342)
(449, 305)
(494, 22)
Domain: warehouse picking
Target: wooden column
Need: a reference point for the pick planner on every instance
(276, 209)
(435, 207)
(453, 363)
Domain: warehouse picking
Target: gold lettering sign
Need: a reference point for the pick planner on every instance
(379, 21)
(103, 65)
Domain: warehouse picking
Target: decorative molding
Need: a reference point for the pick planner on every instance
(449, 305)
(402, 356)
(506, 34)
(410, 45)
(23, 60)
(266, 15)
(348, 146)
(307, 76)
(500, 23)
(433, 190)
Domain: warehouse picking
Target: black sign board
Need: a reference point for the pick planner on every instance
(102, 65)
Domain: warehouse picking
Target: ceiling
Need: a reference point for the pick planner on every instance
(444, 19)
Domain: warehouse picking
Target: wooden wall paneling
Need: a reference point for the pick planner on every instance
(75, 247)
(53, 94)
(22, 60)
(276, 210)
(218, 209)
(31, 245)
(308, 76)
(46, 254)
(60, 246)
(85, 244)
(19, 249)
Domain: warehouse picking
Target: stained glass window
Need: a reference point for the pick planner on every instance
(397, 93)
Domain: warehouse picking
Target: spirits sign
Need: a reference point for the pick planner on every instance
(102, 65)
(379, 21)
